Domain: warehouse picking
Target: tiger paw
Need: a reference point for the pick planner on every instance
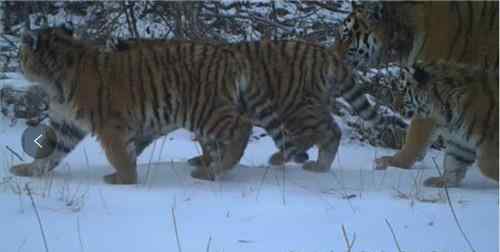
(277, 159)
(116, 179)
(25, 170)
(394, 161)
(383, 162)
(203, 173)
(314, 167)
(440, 182)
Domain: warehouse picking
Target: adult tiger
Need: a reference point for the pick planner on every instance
(298, 78)
(127, 96)
(404, 32)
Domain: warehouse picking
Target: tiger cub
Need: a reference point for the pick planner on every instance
(124, 97)
(291, 83)
(462, 102)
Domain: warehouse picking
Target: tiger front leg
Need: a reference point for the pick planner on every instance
(418, 136)
(68, 136)
(122, 155)
(225, 154)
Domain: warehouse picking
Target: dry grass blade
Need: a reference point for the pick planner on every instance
(179, 248)
(283, 192)
(28, 191)
(208, 244)
(261, 182)
(393, 235)
(349, 244)
(79, 233)
(452, 209)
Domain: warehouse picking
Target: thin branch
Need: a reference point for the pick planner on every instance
(79, 233)
(250, 17)
(452, 209)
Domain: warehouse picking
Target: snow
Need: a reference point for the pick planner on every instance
(254, 208)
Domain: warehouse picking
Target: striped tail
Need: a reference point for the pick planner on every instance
(355, 96)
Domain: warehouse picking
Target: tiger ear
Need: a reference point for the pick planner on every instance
(421, 76)
(30, 39)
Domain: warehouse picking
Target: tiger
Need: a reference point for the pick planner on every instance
(298, 78)
(462, 101)
(125, 97)
(378, 33)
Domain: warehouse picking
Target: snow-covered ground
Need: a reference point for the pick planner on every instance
(254, 208)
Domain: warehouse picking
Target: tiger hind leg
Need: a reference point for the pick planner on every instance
(227, 152)
(276, 159)
(328, 135)
(311, 125)
(456, 161)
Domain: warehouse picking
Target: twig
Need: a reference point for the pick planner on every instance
(261, 183)
(283, 194)
(208, 243)
(14, 153)
(349, 244)
(79, 233)
(452, 209)
(28, 190)
(393, 235)
(176, 231)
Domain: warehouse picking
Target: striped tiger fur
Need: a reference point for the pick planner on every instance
(464, 32)
(463, 103)
(124, 97)
(298, 78)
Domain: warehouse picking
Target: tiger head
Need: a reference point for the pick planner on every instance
(41, 52)
(372, 34)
